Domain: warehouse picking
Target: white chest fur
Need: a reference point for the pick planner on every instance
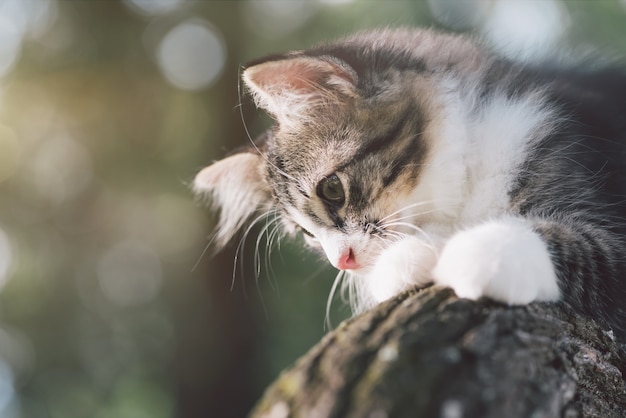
(477, 151)
(483, 249)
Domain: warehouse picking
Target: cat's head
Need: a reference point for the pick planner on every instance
(354, 128)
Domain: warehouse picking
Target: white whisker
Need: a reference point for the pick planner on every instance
(269, 230)
(204, 251)
(245, 127)
(413, 205)
(239, 252)
(272, 236)
(331, 295)
(424, 234)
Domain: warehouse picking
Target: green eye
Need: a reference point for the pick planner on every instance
(330, 189)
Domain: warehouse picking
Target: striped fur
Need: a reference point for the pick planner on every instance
(454, 166)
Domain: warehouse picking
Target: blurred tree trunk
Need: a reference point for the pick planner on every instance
(429, 354)
(217, 363)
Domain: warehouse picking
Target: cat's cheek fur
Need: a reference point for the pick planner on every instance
(504, 260)
(406, 263)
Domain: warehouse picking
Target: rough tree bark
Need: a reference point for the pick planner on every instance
(429, 354)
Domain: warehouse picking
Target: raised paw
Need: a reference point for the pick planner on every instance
(504, 260)
(405, 263)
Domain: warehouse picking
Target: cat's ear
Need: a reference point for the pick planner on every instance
(288, 88)
(236, 187)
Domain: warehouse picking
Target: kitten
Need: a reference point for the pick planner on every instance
(411, 156)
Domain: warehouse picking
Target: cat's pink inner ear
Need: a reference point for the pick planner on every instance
(285, 86)
(300, 75)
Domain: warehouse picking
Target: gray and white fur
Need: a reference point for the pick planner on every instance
(412, 156)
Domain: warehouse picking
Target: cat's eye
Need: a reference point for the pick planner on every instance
(330, 189)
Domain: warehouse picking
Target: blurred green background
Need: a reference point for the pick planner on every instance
(108, 307)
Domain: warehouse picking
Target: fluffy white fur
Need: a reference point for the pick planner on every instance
(503, 259)
(475, 156)
(404, 264)
(467, 239)
(473, 163)
(228, 183)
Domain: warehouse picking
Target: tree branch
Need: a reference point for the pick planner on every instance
(428, 353)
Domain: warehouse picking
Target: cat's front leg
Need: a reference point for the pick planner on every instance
(404, 264)
(504, 259)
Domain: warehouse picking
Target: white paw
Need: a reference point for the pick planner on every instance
(404, 264)
(504, 260)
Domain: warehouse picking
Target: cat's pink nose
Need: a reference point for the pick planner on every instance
(347, 261)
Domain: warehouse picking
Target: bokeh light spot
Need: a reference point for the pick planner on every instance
(460, 14)
(10, 44)
(7, 391)
(6, 258)
(130, 274)
(43, 17)
(61, 168)
(275, 18)
(30, 17)
(526, 29)
(153, 7)
(192, 55)
(18, 19)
